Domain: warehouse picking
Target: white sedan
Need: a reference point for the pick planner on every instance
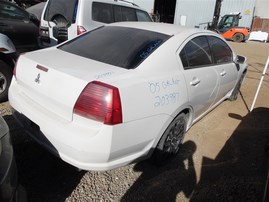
(123, 92)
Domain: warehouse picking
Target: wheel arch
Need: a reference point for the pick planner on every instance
(188, 111)
(156, 151)
(189, 115)
(8, 60)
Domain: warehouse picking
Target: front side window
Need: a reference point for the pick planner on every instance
(118, 46)
(220, 50)
(227, 21)
(196, 53)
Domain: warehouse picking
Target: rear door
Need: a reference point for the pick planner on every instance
(200, 75)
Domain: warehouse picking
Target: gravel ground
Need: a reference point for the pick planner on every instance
(222, 158)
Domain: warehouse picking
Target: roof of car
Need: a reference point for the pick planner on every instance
(164, 28)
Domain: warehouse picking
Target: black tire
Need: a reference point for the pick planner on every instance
(5, 79)
(171, 140)
(236, 90)
(238, 37)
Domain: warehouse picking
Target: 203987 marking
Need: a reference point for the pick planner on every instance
(166, 99)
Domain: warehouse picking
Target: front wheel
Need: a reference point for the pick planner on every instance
(236, 90)
(5, 79)
(171, 140)
(238, 37)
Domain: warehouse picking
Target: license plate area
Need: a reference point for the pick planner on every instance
(32, 129)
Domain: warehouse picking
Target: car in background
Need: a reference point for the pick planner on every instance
(36, 9)
(9, 188)
(123, 92)
(8, 57)
(19, 25)
(65, 19)
(27, 3)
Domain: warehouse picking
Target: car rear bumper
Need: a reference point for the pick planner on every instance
(84, 143)
(94, 153)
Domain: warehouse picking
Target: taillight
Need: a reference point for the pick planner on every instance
(15, 69)
(101, 102)
(80, 30)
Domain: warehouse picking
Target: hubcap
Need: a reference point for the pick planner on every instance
(3, 83)
(174, 137)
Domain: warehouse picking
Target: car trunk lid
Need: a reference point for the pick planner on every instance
(57, 86)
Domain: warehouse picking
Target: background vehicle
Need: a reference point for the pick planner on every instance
(65, 19)
(228, 25)
(9, 188)
(8, 57)
(19, 25)
(36, 9)
(228, 28)
(27, 3)
(113, 95)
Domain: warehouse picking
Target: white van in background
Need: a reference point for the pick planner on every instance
(65, 19)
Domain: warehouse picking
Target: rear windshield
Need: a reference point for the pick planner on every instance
(119, 46)
(62, 8)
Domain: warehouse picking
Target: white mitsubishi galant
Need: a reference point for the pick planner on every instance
(123, 92)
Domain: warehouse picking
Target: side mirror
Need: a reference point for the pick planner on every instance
(240, 59)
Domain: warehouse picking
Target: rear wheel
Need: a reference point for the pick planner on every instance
(171, 140)
(5, 79)
(238, 37)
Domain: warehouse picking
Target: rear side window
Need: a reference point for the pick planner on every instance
(196, 53)
(124, 14)
(119, 46)
(102, 12)
(220, 50)
(64, 9)
(108, 13)
(142, 16)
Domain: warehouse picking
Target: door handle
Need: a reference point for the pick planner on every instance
(223, 73)
(195, 81)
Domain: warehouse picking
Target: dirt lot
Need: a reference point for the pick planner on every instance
(222, 158)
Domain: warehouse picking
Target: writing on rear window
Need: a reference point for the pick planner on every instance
(150, 48)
